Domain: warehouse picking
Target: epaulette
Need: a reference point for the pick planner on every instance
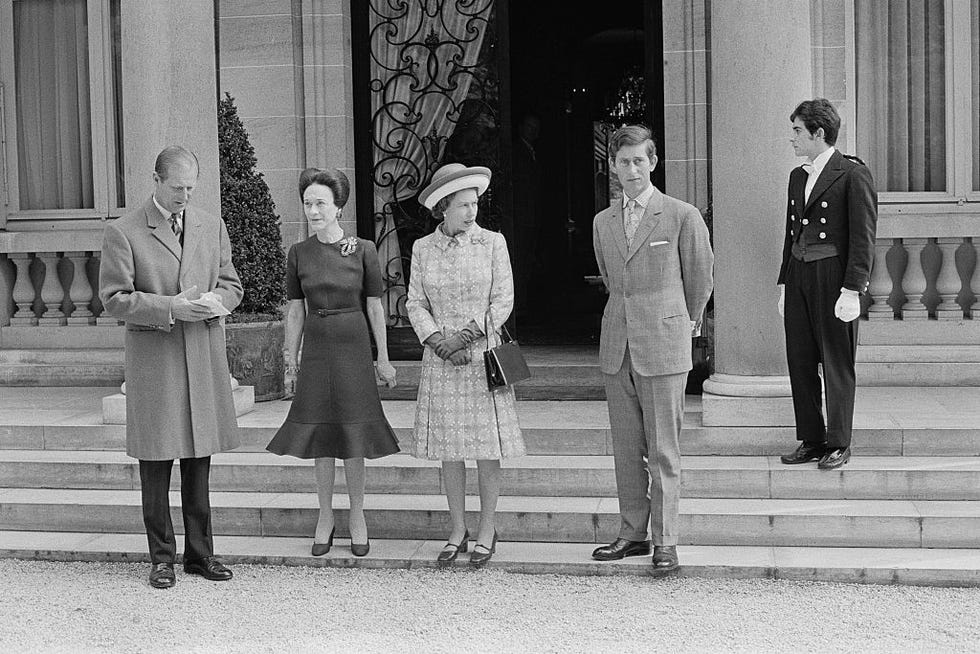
(854, 158)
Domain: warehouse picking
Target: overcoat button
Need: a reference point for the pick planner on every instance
(806, 222)
(823, 235)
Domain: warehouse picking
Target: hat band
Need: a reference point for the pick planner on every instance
(478, 182)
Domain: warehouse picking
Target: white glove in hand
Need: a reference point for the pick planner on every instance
(781, 302)
(848, 306)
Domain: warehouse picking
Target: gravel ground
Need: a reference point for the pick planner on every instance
(96, 607)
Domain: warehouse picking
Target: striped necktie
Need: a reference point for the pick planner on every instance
(175, 226)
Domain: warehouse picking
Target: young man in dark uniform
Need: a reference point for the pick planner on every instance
(831, 215)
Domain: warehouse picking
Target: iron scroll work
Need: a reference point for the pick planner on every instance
(434, 99)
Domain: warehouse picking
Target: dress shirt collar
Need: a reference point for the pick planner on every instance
(820, 162)
(642, 199)
(166, 214)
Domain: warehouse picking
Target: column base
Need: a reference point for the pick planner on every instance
(747, 401)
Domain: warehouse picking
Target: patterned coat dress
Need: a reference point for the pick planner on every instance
(455, 280)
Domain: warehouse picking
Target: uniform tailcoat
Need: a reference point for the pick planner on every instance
(179, 402)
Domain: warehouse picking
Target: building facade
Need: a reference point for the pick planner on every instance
(91, 90)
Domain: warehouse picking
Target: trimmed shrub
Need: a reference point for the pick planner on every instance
(253, 226)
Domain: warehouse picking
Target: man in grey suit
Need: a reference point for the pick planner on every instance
(655, 258)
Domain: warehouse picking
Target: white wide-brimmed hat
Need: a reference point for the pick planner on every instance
(451, 178)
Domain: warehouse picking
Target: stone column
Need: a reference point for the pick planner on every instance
(760, 70)
(169, 93)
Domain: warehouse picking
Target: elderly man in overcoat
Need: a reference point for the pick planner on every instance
(655, 257)
(165, 266)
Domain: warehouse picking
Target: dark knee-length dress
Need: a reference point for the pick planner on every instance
(336, 411)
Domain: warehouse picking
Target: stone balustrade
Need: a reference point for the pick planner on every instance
(51, 288)
(925, 269)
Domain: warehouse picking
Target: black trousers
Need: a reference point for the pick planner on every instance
(813, 336)
(195, 507)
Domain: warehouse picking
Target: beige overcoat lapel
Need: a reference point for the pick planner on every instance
(192, 240)
(651, 216)
(161, 229)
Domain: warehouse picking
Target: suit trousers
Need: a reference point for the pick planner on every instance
(815, 336)
(645, 414)
(195, 507)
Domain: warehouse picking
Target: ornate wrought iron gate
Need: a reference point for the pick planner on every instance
(433, 86)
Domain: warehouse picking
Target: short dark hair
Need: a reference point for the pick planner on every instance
(171, 156)
(818, 113)
(332, 178)
(632, 135)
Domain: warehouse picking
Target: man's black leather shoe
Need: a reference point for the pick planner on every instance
(804, 453)
(162, 575)
(209, 567)
(621, 548)
(664, 559)
(835, 458)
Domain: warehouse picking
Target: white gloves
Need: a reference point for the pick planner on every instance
(781, 302)
(848, 305)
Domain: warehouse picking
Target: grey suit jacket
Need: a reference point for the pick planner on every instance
(656, 287)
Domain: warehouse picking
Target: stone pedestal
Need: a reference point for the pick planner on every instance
(114, 406)
(756, 44)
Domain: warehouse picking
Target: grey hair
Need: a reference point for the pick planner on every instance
(172, 156)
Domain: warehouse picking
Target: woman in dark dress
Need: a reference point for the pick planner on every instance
(331, 281)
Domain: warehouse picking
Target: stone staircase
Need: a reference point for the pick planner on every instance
(907, 508)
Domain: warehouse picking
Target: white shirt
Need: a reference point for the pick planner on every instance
(641, 204)
(166, 214)
(818, 163)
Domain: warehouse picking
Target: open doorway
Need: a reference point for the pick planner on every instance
(574, 76)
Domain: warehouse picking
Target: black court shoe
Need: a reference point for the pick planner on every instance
(479, 559)
(319, 549)
(452, 550)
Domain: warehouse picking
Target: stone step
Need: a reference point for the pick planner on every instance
(550, 428)
(752, 522)
(872, 477)
(62, 367)
(921, 567)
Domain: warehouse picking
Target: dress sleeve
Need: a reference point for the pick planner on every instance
(502, 288)
(418, 306)
(294, 291)
(373, 284)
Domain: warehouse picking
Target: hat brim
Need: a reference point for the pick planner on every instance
(476, 177)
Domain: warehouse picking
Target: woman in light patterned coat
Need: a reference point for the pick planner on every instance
(461, 288)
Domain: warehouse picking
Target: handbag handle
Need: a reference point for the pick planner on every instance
(505, 333)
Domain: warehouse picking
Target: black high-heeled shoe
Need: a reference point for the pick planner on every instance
(360, 550)
(479, 559)
(319, 549)
(449, 555)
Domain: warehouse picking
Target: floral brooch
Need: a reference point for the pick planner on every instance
(348, 246)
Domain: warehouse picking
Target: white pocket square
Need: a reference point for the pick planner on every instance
(652, 243)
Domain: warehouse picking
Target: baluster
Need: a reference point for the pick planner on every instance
(975, 282)
(80, 291)
(948, 281)
(914, 281)
(52, 294)
(23, 290)
(880, 288)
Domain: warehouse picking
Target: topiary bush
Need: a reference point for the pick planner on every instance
(253, 226)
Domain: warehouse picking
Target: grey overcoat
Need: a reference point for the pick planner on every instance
(656, 287)
(179, 402)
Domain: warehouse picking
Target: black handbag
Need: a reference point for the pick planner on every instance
(505, 364)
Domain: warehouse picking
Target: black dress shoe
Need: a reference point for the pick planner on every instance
(664, 559)
(319, 549)
(162, 575)
(835, 458)
(621, 548)
(451, 550)
(804, 453)
(209, 567)
(479, 559)
(360, 550)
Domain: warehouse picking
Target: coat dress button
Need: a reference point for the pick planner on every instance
(823, 204)
(823, 220)
(806, 221)
(823, 235)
